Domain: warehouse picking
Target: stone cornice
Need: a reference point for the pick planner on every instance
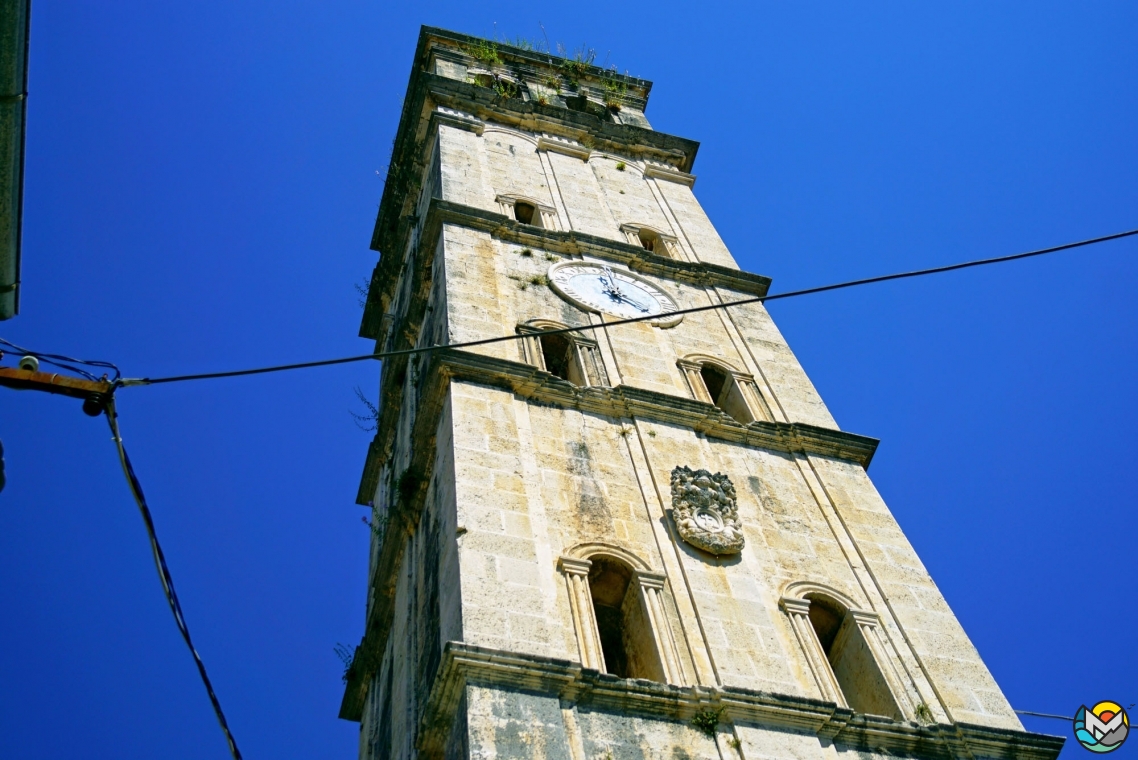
(463, 664)
(670, 174)
(672, 154)
(626, 401)
(637, 259)
(429, 36)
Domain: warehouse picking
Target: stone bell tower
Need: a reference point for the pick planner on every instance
(630, 541)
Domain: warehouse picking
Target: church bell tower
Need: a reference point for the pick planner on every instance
(639, 540)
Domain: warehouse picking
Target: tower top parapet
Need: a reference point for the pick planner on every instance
(534, 75)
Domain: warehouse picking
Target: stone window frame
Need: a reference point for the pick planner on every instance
(547, 214)
(574, 566)
(797, 608)
(586, 352)
(755, 404)
(669, 244)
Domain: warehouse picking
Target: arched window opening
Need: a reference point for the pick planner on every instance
(571, 357)
(560, 358)
(851, 658)
(715, 380)
(625, 632)
(525, 212)
(649, 240)
(726, 393)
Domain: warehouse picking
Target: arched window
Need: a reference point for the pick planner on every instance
(560, 358)
(650, 239)
(847, 654)
(618, 615)
(528, 211)
(622, 625)
(734, 392)
(524, 212)
(569, 356)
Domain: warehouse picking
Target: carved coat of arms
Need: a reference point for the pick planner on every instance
(703, 506)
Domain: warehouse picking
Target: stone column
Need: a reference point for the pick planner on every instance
(760, 410)
(651, 587)
(576, 572)
(798, 610)
(549, 217)
(869, 625)
(695, 381)
(531, 347)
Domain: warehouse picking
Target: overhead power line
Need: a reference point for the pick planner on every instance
(63, 362)
(1043, 715)
(129, 382)
(164, 572)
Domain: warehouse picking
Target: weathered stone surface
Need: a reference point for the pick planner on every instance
(522, 520)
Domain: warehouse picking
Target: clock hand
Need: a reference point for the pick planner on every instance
(608, 283)
(612, 287)
(622, 297)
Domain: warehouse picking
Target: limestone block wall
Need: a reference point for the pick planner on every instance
(492, 286)
(592, 196)
(428, 610)
(533, 481)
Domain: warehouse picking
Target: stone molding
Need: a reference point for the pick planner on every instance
(702, 417)
(576, 573)
(586, 352)
(567, 243)
(671, 174)
(455, 118)
(671, 243)
(564, 146)
(470, 107)
(626, 401)
(465, 664)
(756, 402)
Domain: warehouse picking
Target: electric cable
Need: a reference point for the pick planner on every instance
(164, 572)
(63, 362)
(1043, 715)
(130, 382)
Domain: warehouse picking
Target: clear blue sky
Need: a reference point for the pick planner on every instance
(201, 187)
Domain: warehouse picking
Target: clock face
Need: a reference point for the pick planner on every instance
(613, 291)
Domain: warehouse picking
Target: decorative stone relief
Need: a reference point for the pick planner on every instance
(703, 507)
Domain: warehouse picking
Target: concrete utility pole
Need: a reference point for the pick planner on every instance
(15, 18)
